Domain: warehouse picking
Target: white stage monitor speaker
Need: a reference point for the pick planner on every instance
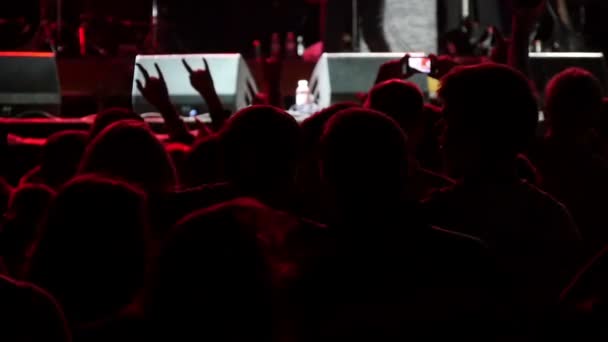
(233, 81)
(340, 77)
(29, 83)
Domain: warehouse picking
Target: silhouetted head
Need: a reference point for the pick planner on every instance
(110, 116)
(401, 100)
(61, 156)
(29, 203)
(30, 314)
(364, 159)
(491, 115)
(91, 252)
(261, 146)
(310, 188)
(204, 163)
(312, 127)
(211, 278)
(22, 222)
(573, 101)
(129, 151)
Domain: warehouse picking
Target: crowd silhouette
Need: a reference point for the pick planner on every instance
(385, 220)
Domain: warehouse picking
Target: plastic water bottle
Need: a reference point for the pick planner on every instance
(304, 105)
(302, 94)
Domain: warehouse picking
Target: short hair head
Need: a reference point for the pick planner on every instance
(363, 155)
(491, 113)
(61, 156)
(573, 101)
(401, 100)
(129, 151)
(96, 271)
(110, 116)
(261, 144)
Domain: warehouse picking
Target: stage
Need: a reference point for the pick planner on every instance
(94, 83)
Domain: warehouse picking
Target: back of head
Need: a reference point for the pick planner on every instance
(403, 101)
(29, 203)
(129, 151)
(261, 146)
(364, 157)
(61, 156)
(27, 210)
(573, 102)
(30, 314)
(212, 278)
(91, 251)
(491, 114)
(203, 163)
(312, 127)
(110, 116)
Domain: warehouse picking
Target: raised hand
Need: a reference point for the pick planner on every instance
(441, 66)
(155, 89)
(394, 69)
(201, 80)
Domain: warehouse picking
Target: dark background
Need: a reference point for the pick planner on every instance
(232, 25)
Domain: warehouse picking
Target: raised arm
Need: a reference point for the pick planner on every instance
(202, 82)
(156, 93)
(526, 14)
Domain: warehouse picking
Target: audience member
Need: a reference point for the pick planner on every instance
(532, 235)
(371, 277)
(211, 280)
(30, 314)
(429, 147)
(404, 102)
(61, 156)
(129, 151)
(308, 174)
(110, 116)
(22, 223)
(91, 253)
(568, 158)
(260, 147)
(203, 164)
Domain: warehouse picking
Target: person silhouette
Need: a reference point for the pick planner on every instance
(368, 274)
(533, 236)
(569, 157)
(91, 252)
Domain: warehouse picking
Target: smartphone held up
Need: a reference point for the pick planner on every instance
(417, 64)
